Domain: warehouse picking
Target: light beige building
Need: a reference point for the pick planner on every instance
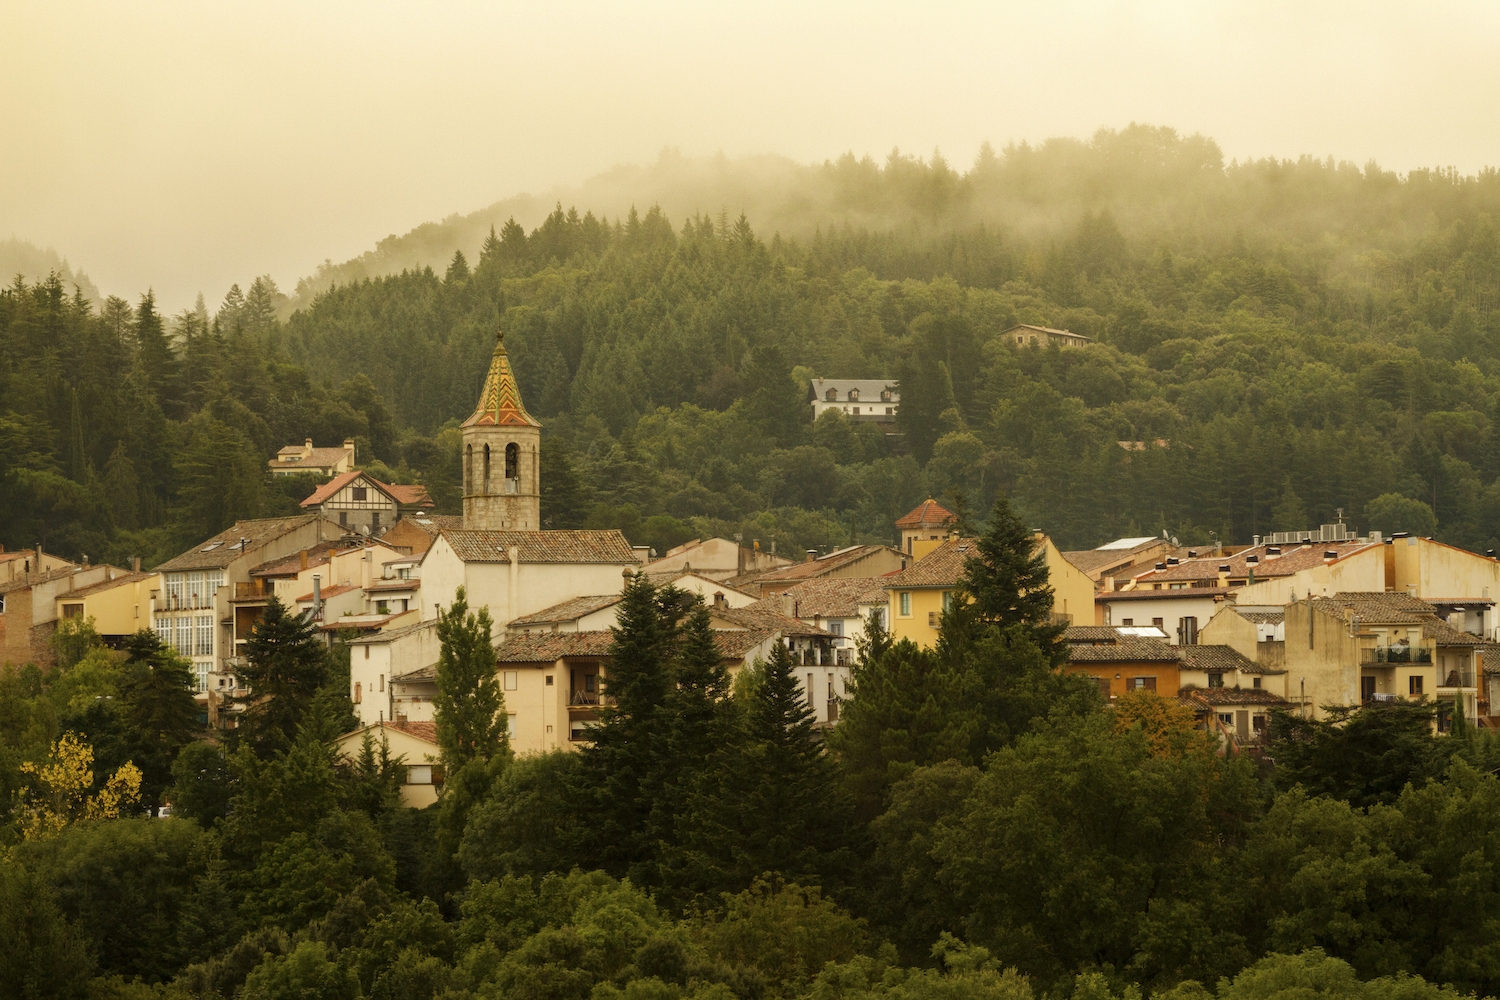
(865, 400)
(716, 559)
(414, 744)
(360, 502)
(203, 591)
(852, 561)
(930, 522)
(1027, 335)
(1356, 648)
(30, 585)
(834, 605)
(304, 458)
(393, 673)
(120, 604)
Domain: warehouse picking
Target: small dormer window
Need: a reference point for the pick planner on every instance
(831, 395)
(853, 395)
(885, 395)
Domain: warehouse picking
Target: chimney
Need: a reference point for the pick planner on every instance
(307, 448)
(788, 606)
(349, 447)
(304, 560)
(720, 601)
(812, 554)
(135, 564)
(1224, 570)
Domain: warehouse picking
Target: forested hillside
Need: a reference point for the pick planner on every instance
(1283, 339)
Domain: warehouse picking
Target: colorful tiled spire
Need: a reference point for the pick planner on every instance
(500, 401)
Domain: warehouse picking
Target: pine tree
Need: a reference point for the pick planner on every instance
(122, 489)
(620, 762)
(783, 811)
(458, 267)
(469, 707)
(285, 666)
(160, 714)
(154, 357)
(1004, 584)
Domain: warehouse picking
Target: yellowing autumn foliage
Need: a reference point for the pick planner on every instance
(60, 794)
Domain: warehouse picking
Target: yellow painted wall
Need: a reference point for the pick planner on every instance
(121, 610)
(926, 606)
(1072, 587)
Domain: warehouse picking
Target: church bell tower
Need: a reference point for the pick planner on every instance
(502, 455)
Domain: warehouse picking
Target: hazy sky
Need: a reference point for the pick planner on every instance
(186, 146)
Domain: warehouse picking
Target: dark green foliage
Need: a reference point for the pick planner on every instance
(201, 783)
(285, 665)
(43, 957)
(160, 714)
(1363, 756)
(1004, 587)
(469, 707)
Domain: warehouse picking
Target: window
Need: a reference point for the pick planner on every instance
(810, 691)
(468, 469)
(174, 590)
(1142, 683)
(367, 651)
(343, 519)
(947, 599)
(1414, 684)
(549, 680)
(1215, 680)
(1255, 683)
(419, 774)
(890, 409)
(163, 626)
(1227, 718)
(1127, 622)
(382, 607)
(837, 628)
(588, 683)
(382, 683)
(1187, 631)
(200, 671)
(72, 611)
(906, 604)
(512, 461)
(203, 635)
(932, 619)
(512, 678)
(1159, 623)
(358, 693)
(359, 492)
(183, 639)
(197, 596)
(510, 725)
(885, 396)
(831, 395)
(374, 520)
(484, 484)
(853, 395)
(856, 411)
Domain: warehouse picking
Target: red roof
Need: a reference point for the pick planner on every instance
(411, 496)
(929, 513)
(328, 592)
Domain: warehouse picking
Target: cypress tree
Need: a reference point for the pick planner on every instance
(469, 707)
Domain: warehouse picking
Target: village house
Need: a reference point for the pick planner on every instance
(1116, 562)
(919, 594)
(1256, 634)
(197, 614)
(833, 604)
(413, 744)
(393, 673)
(1350, 649)
(119, 605)
(865, 400)
(852, 561)
(1027, 335)
(716, 559)
(1120, 660)
(414, 535)
(31, 581)
(360, 502)
(930, 522)
(298, 459)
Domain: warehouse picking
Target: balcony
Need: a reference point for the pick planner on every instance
(590, 699)
(1457, 679)
(1396, 654)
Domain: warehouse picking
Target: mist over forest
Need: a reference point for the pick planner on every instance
(1283, 339)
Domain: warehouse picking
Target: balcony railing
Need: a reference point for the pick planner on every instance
(590, 699)
(1396, 654)
(1462, 677)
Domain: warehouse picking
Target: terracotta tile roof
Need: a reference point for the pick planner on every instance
(1375, 607)
(939, 568)
(549, 647)
(570, 610)
(1209, 698)
(814, 568)
(1219, 659)
(21, 583)
(1124, 649)
(586, 546)
(1293, 559)
(1446, 635)
(764, 618)
(929, 513)
(119, 581)
(328, 592)
(396, 586)
(409, 494)
(829, 597)
(427, 673)
(876, 594)
(223, 548)
(1489, 655)
(291, 565)
(433, 523)
(736, 644)
(392, 634)
(1262, 617)
(1090, 633)
(1108, 597)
